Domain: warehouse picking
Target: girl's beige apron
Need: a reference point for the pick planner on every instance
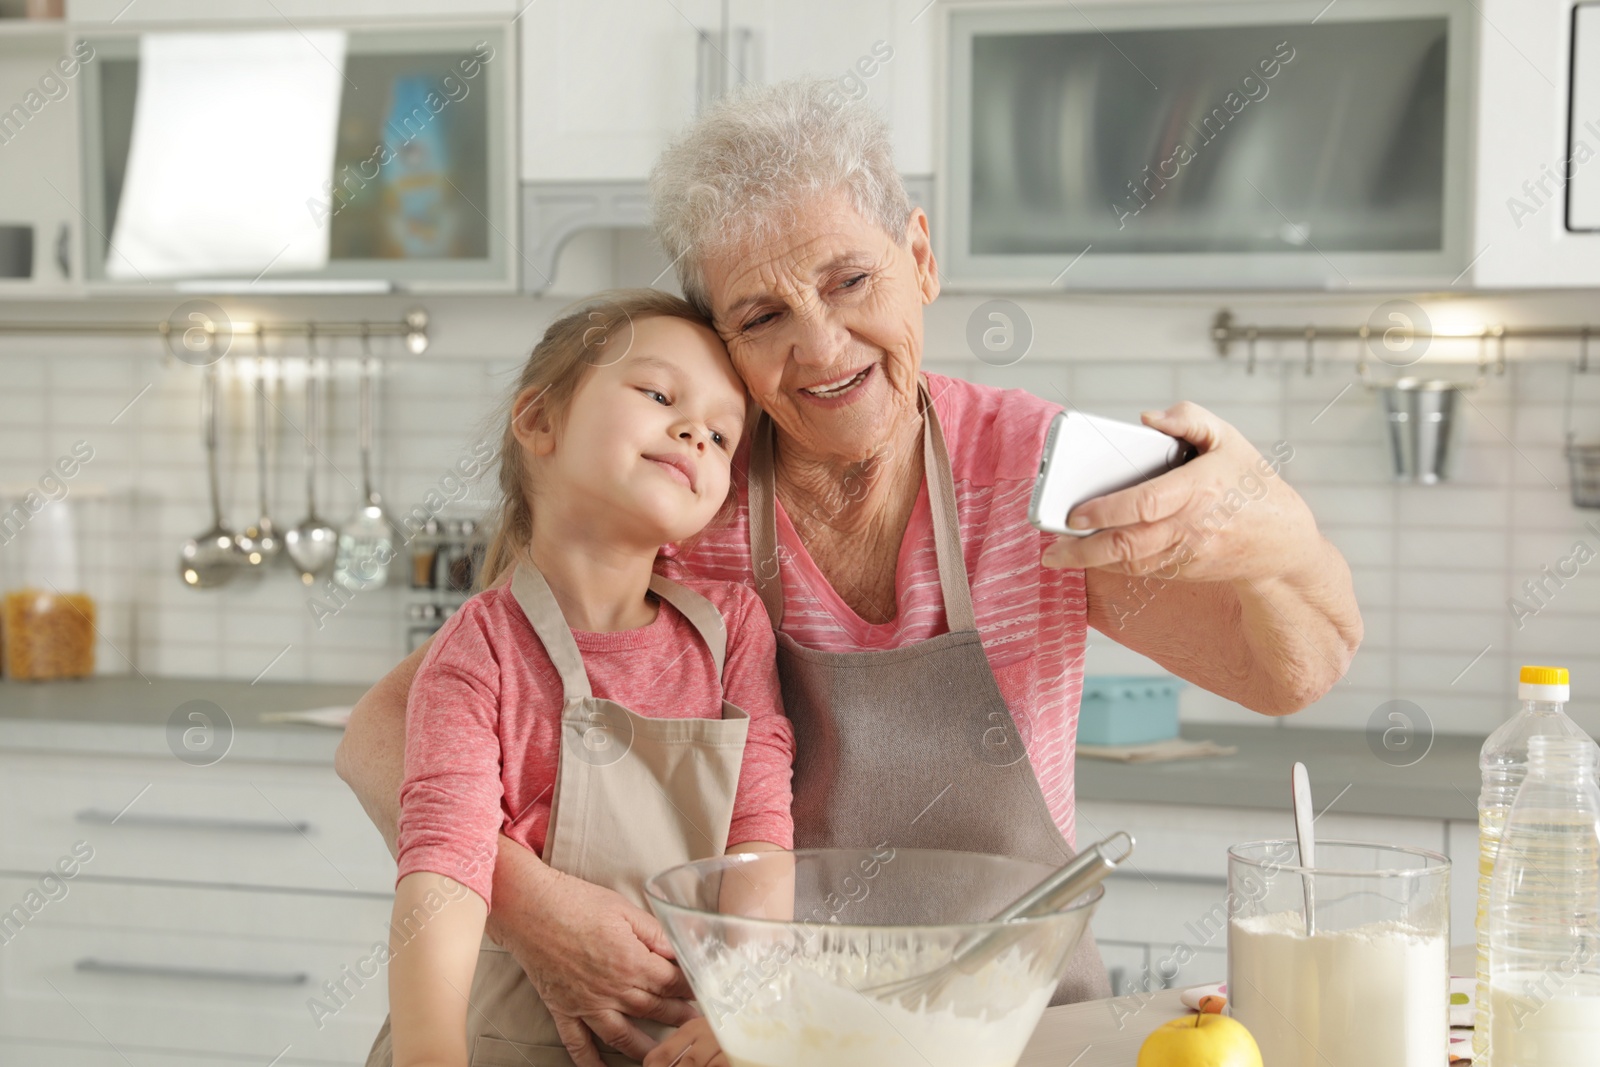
(633, 797)
(913, 746)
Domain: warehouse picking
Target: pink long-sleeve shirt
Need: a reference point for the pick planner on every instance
(484, 718)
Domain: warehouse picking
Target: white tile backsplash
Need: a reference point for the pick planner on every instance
(1433, 567)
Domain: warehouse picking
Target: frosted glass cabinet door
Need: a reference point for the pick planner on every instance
(1176, 141)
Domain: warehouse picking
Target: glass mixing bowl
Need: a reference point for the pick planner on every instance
(784, 949)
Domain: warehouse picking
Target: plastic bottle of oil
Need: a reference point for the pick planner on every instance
(1544, 913)
(1542, 692)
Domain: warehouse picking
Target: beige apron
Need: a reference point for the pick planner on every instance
(633, 797)
(913, 746)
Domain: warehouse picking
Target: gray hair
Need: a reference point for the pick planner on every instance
(741, 169)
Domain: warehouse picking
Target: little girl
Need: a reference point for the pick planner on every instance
(613, 721)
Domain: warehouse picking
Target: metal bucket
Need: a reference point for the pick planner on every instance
(1421, 415)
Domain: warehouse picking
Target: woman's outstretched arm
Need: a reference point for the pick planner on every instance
(372, 755)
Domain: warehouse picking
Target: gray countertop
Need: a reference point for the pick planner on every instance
(127, 715)
(1443, 784)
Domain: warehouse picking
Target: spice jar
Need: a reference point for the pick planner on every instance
(459, 556)
(47, 619)
(424, 552)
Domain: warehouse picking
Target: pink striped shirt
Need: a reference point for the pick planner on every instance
(1033, 620)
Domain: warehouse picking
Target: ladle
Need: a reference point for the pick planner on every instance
(313, 543)
(259, 542)
(210, 559)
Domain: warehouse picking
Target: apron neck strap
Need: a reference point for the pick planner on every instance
(701, 613)
(764, 556)
(958, 612)
(538, 603)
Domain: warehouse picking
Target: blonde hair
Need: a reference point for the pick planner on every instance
(585, 336)
(743, 167)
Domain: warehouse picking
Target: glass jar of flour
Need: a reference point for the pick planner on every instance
(1368, 985)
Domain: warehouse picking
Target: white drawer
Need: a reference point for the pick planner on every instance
(1163, 912)
(253, 824)
(74, 1054)
(1463, 882)
(1125, 965)
(1193, 842)
(196, 970)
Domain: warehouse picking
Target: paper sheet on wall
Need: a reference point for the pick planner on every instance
(233, 135)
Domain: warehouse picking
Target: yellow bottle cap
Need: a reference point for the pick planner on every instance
(1543, 675)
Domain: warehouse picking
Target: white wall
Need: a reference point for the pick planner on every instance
(1434, 566)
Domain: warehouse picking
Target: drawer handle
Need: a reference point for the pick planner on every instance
(101, 817)
(206, 974)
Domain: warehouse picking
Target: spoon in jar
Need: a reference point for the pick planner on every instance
(210, 559)
(1304, 816)
(312, 544)
(259, 542)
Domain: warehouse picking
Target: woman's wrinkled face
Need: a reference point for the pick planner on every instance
(824, 324)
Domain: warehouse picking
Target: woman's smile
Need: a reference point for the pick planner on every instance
(839, 391)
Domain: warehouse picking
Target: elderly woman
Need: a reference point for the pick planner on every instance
(930, 642)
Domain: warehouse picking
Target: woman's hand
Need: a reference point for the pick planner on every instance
(1225, 515)
(691, 1046)
(593, 957)
(1217, 572)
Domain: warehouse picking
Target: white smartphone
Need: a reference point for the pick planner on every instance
(1086, 456)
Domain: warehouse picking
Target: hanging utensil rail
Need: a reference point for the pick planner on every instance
(412, 327)
(1225, 331)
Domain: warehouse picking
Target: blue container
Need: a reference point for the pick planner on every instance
(1128, 709)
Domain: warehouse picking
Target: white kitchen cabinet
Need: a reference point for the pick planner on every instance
(232, 823)
(607, 83)
(154, 12)
(157, 967)
(880, 51)
(196, 914)
(1529, 141)
(40, 206)
(1463, 852)
(1193, 842)
(1163, 921)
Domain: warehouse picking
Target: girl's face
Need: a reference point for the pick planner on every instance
(645, 449)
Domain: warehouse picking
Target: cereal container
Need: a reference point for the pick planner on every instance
(47, 617)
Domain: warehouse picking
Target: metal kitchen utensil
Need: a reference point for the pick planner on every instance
(366, 542)
(1078, 876)
(212, 558)
(1421, 416)
(313, 542)
(259, 542)
(1304, 816)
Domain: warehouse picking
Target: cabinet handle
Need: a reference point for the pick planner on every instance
(100, 817)
(206, 974)
(64, 250)
(745, 54)
(706, 67)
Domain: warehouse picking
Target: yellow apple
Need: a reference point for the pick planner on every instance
(1200, 1041)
